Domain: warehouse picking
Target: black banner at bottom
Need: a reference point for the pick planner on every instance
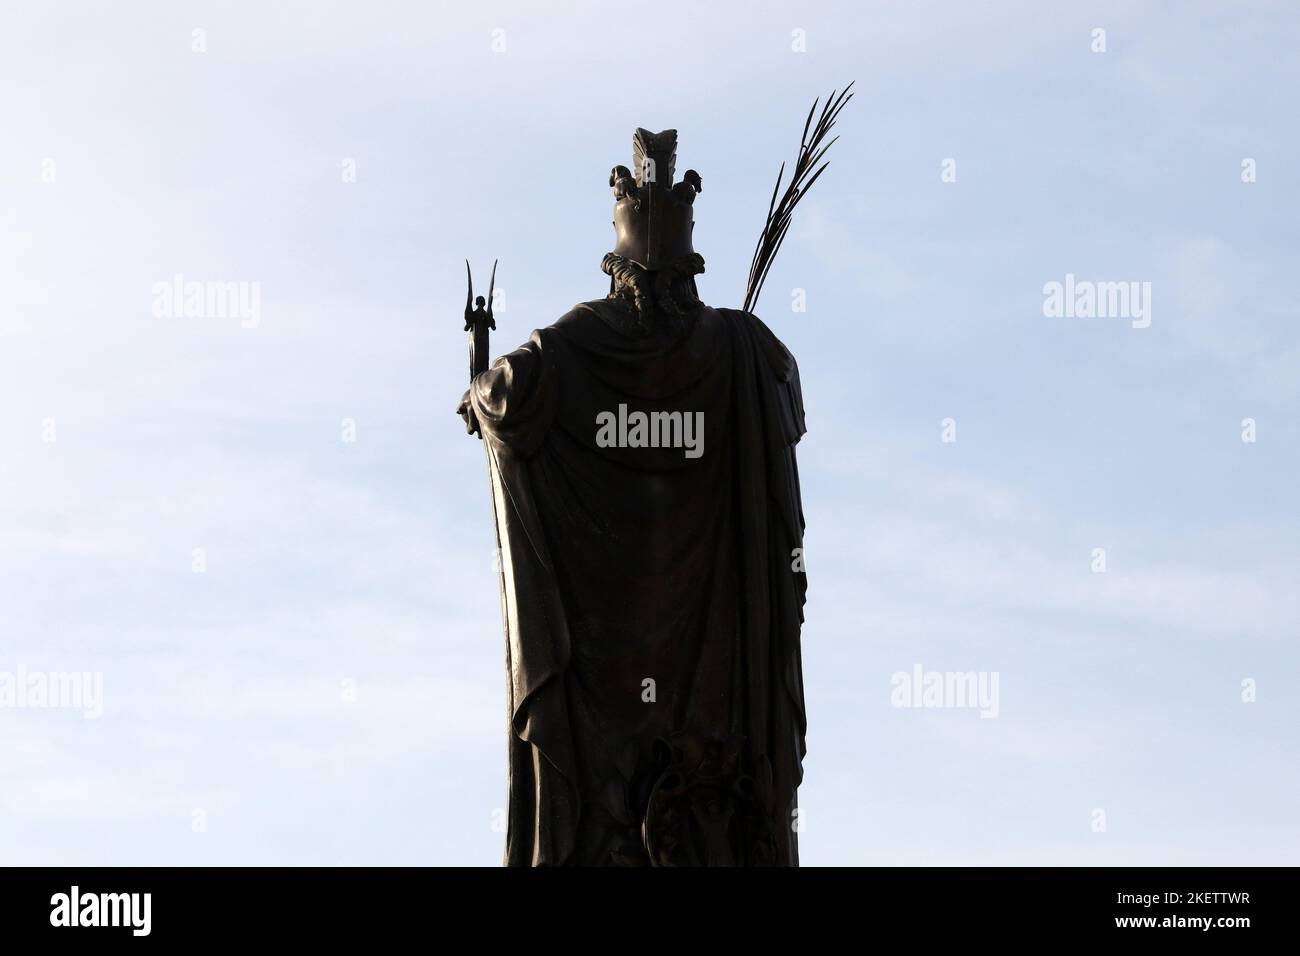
(338, 906)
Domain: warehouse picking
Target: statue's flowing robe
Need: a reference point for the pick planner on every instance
(645, 593)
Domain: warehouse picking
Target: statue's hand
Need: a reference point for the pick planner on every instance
(466, 411)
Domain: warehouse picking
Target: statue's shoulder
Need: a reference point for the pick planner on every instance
(591, 313)
(577, 324)
(597, 321)
(780, 358)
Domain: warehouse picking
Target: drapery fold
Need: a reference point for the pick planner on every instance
(645, 593)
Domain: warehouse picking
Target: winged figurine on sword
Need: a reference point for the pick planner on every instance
(645, 493)
(478, 321)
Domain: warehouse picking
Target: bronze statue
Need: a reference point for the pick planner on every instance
(646, 496)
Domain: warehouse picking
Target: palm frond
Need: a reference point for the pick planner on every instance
(812, 150)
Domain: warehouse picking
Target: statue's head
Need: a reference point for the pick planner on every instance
(480, 301)
(653, 217)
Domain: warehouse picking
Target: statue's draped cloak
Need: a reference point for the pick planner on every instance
(627, 565)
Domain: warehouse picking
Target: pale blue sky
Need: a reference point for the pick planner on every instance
(372, 561)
